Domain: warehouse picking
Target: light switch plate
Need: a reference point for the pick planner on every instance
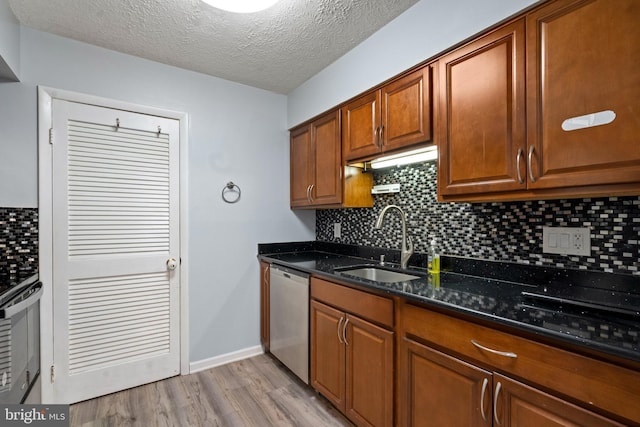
(337, 230)
(566, 240)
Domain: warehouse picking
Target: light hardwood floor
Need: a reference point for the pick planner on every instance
(253, 392)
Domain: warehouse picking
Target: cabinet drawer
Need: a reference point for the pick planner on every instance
(595, 383)
(368, 306)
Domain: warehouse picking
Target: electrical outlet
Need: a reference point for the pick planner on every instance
(566, 240)
(337, 230)
(578, 241)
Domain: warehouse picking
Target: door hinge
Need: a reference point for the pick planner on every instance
(53, 374)
(51, 136)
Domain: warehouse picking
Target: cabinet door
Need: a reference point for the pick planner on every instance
(369, 348)
(361, 127)
(327, 353)
(583, 59)
(481, 114)
(439, 390)
(301, 166)
(524, 406)
(406, 110)
(264, 305)
(326, 151)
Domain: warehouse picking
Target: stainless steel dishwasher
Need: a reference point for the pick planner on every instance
(289, 319)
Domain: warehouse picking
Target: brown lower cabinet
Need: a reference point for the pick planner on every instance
(455, 373)
(264, 305)
(386, 362)
(442, 390)
(517, 404)
(351, 358)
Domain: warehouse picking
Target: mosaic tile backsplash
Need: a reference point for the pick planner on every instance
(18, 242)
(509, 231)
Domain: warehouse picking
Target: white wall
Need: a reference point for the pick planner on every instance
(9, 43)
(424, 30)
(237, 133)
(18, 149)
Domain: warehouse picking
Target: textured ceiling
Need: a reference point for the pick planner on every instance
(276, 49)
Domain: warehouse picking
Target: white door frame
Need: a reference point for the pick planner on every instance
(45, 223)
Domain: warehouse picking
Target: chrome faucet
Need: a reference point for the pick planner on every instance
(407, 244)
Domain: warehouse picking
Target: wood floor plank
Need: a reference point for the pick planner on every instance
(209, 410)
(302, 407)
(253, 392)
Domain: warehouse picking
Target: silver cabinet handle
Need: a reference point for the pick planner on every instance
(344, 331)
(495, 403)
(485, 382)
(529, 162)
(381, 136)
(311, 192)
(266, 273)
(172, 264)
(376, 136)
(518, 158)
(490, 350)
(338, 329)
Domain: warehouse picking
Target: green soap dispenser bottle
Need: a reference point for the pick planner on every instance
(433, 258)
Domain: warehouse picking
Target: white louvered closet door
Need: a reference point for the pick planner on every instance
(115, 226)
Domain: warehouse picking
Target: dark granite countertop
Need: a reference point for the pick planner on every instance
(481, 289)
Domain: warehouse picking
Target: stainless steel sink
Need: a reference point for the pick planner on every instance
(379, 274)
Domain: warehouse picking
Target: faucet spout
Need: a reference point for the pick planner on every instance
(407, 245)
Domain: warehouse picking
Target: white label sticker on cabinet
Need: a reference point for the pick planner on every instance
(589, 120)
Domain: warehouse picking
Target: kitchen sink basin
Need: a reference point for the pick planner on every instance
(379, 274)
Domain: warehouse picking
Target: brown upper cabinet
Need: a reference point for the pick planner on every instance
(316, 162)
(482, 118)
(541, 107)
(582, 84)
(318, 177)
(583, 60)
(393, 117)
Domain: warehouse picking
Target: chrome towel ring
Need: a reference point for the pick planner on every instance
(228, 192)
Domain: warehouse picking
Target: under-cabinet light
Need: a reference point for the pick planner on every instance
(408, 157)
(241, 6)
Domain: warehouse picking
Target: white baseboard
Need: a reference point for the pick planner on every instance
(223, 359)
